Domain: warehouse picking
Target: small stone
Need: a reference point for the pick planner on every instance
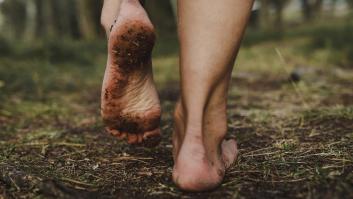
(95, 167)
(295, 76)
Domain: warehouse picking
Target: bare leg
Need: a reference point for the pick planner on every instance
(210, 34)
(130, 106)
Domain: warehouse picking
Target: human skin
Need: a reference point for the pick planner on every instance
(210, 33)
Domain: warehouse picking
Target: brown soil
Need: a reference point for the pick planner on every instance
(307, 155)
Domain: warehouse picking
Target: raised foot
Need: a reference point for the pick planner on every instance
(130, 106)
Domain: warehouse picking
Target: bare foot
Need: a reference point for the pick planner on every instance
(130, 106)
(201, 155)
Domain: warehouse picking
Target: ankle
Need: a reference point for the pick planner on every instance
(214, 118)
(111, 12)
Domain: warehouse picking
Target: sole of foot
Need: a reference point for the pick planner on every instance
(130, 106)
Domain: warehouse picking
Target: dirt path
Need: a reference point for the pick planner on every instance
(295, 142)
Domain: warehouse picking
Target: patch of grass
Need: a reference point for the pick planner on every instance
(5, 47)
(327, 41)
(338, 40)
(332, 112)
(54, 51)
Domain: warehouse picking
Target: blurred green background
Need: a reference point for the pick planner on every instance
(48, 45)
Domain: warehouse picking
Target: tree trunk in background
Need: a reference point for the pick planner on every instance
(279, 5)
(311, 9)
(306, 9)
(86, 20)
(317, 7)
(265, 14)
(175, 8)
(333, 8)
(62, 9)
(44, 24)
(73, 19)
(161, 14)
(14, 18)
(39, 19)
(48, 18)
(96, 7)
(31, 14)
(31, 19)
(350, 3)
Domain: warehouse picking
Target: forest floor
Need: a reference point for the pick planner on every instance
(290, 107)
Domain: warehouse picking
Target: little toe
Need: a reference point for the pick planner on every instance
(230, 152)
(152, 138)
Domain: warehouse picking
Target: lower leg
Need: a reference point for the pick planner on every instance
(210, 34)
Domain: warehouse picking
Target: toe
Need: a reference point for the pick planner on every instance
(112, 131)
(150, 134)
(132, 138)
(229, 152)
(116, 133)
(152, 138)
(139, 138)
(121, 135)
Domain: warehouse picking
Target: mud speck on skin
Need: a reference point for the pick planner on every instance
(133, 48)
(131, 124)
(106, 94)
